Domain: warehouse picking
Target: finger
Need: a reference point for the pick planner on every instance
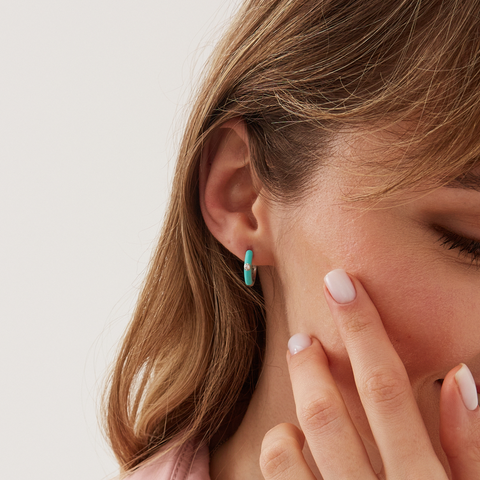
(331, 435)
(281, 457)
(381, 380)
(460, 423)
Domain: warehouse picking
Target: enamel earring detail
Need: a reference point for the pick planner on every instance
(249, 270)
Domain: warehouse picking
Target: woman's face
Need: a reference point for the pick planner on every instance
(406, 252)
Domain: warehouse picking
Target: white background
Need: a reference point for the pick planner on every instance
(93, 95)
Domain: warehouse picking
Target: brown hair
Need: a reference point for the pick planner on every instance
(297, 72)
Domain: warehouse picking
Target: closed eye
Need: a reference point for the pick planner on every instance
(467, 247)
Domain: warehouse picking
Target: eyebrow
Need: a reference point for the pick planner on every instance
(467, 181)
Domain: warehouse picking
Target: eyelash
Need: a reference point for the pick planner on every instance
(466, 246)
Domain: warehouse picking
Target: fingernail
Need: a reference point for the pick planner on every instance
(298, 342)
(340, 286)
(467, 387)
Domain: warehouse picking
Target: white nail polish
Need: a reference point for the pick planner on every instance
(340, 286)
(468, 389)
(298, 342)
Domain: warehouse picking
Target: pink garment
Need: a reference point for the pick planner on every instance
(180, 464)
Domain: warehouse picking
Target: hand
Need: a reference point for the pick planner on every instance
(388, 401)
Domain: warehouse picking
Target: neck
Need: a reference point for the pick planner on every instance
(272, 403)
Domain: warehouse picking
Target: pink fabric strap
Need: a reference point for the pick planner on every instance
(182, 463)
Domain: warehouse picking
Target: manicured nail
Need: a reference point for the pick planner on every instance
(467, 387)
(340, 286)
(298, 342)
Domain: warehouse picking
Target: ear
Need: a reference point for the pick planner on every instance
(234, 212)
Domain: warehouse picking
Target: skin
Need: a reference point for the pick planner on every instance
(417, 301)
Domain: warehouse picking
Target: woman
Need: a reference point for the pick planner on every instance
(328, 137)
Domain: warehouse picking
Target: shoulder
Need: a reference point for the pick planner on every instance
(189, 461)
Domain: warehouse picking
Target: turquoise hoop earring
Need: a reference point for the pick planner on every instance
(249, 270)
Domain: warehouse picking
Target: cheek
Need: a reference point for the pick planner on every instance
(432, 326)
(428, 306)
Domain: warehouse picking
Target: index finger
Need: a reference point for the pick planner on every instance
(381, 379)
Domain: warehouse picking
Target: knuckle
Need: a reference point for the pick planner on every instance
(276, 456)
(320, 416)
(355, 323)
(386, 388)
(298, 362)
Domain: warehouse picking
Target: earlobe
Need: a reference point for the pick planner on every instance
(229, 197)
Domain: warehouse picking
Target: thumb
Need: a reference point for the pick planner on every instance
(460, 423)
